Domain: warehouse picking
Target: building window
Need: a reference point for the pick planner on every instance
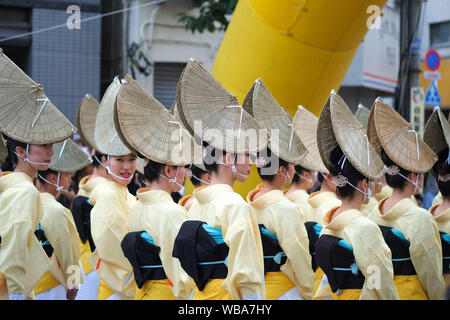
(440, 34)
(165, 81)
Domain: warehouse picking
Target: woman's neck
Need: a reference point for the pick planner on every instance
(99, 172)
(267, 187)
(349, 204)
(161, 184)
(441, 208)
(397, 196)
(297, 186)
(26, 168)
(224, 176)
(45, 187)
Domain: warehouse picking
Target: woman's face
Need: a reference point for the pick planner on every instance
(121, 166)
(242, 165)
(39, 153)
(290, 175)
(180, 176)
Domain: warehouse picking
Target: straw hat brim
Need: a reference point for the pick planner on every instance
(362, 114)
(339, 127)
(68, 157)
(437, 132)
(276, 120)
(389, 131)
(222, 122)
(149, 128)
(26, 114)
(3, 149)
(305, 127)
(107, 138)
(86, 117)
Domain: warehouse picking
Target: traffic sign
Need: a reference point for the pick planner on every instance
(432, 97)
(432, 59)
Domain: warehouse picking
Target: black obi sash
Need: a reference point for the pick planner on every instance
(313, 229)
(81, 211)
(143, 254)
(335, 257)
(201, 251)
(274, 256)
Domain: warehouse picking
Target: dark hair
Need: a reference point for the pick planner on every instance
(269, 169)
(348, 171)
(212, 155)
(299, 170)
(197, 172)
(320, 177)
(45, 173)
(99, 156)
(396, 182)
(11, 159)
(441, 167)
(152, 170)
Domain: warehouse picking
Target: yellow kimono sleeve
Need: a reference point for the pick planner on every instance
(170, 224)
(60, 230)
(374, 259)
(426, 253)
(293, 239)
(245, 257)
(109, 226)
(19, 211)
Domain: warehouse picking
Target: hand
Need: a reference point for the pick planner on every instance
(71, 294)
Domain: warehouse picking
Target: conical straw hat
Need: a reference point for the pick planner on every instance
(388, 130)
(338, 126)
(437, 131)
(107, 139)
(140, 165)
(26, 114)
(149, 128)
(305, 127)
(68, 157)
(223, 123)
(260, 103)
(198, 159)
(362, 114)
(3, 149)
(86, 117)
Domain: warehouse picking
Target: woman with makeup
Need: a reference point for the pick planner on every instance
(112, 205)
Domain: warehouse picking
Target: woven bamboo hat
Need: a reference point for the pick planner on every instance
(388, 130)
(149, 128)
(224, 123)
(305, 127)
(437, 131)
(362, 114)
(140, 165)
(3, 149)
(107, 138)
(260, 104)
(68, 157)
(338, 126)
(26, 114)
(86, 117)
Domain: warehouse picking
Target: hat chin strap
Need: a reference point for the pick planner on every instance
(172, 180)
(27, 159)
(58, 187)
(233, 168)
(108, 169)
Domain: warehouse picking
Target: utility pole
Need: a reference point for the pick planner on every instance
(409, 73)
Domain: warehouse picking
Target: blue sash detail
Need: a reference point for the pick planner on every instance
(345, 244)
(268, 233)
(317, 228)
(225, 262)
(398, 233)
(215, 233)
(147, 237)
(446, 237)
(277, 257)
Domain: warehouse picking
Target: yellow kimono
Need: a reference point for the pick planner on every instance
(321, 203)
(220, 207)
(22, 260)
(59, 227)
(385, 192)
(109, 224)
(443, 224)
(372, 255)
(157, 214)
(186, 201)
(282, 218)
(86, 186)
(366, 209)
(300, 198)
(437, 200)
(419, 228)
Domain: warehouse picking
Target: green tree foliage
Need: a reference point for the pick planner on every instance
(212, 16)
